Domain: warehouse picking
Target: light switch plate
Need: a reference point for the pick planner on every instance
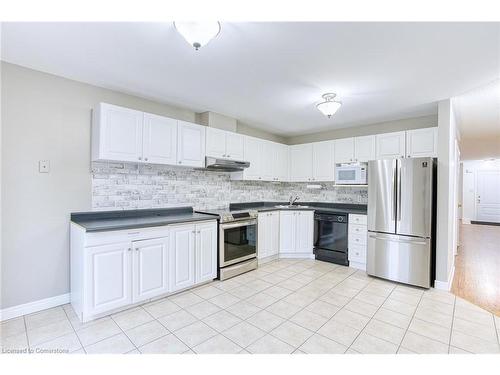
(44, 166)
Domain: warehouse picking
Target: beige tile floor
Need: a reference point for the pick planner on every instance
(286, 306)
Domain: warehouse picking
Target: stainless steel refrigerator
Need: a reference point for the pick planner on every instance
(401, 220)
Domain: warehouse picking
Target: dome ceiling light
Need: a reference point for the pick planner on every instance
(329, 106)
(198, 34)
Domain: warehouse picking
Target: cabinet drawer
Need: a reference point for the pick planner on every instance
(357, 219)
(107, 237)
(357, 253)
(357, 239)
(355, 229)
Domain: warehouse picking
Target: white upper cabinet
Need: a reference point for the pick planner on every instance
(301, 161)
(190, 144)
(344, 150)
(323, 162)
(364, 148)
(281, 162)
(234, 146)
(159, 139)
(253, 154)
(224, 144)
(421, 143)
(268, 161)
(117, 133)
(216, 143)
(391, 145)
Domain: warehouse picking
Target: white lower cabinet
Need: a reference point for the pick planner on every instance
(268, 234)
(149, 268)
(107, 271)
(357, 241)
(112, 270)
(296, 233)
(206, 252)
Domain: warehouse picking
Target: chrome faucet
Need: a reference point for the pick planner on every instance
(292, 200)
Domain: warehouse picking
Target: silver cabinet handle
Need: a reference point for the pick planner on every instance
(146, 159)
(140, 158)
(129, 249)
(228, 156)
(132, 233)
(180, 162)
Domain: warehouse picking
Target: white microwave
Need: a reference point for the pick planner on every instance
(351, 174)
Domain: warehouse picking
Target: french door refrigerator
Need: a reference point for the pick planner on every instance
(401, 220)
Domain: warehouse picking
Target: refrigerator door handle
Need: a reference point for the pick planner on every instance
(398, 202)
(415, 241)
(394, 202)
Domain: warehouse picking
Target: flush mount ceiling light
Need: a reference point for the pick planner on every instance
(198, 34)
(329, 106)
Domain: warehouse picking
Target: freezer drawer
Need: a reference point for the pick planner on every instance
(399, 258)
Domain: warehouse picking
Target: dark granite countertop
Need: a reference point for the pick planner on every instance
(98, 221)
(348, 208)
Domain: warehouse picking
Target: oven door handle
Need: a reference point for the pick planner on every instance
(238, 224)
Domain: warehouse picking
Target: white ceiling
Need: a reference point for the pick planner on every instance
(271, 74)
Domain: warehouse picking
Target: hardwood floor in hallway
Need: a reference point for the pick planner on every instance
(477, 266)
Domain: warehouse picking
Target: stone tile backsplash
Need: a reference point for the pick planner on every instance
(132, 186)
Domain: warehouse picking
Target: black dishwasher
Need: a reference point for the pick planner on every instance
(330, 237)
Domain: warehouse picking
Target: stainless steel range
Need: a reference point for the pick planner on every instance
(237, 241)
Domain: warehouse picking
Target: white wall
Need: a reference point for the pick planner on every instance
(446, 197)
(470, 168)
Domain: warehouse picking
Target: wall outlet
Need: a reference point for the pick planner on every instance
(44, 166)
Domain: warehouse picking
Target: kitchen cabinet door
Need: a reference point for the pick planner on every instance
(274, 233)
(159, 140)
(117, 133)
(287, 231)
(301, 161)
(391, 145)
(149, 268)
(190, 144)
(108, 283)
(364, 148)
(216, 143)
(206, 252)
(421, 143)
(269, 157)
(304, 232)
(182, 256)
(323, 165)
(253, 154)
(235, 146)
(263, 234)
(281, 162)
(344, 150)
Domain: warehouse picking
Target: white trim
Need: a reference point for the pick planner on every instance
(445, 285)
(31, 307)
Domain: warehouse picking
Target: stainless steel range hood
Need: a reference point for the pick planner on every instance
(224, 165)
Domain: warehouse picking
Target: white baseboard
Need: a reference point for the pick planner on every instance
(31, 307)
(445, 285)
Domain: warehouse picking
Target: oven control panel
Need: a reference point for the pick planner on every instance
(237, 216)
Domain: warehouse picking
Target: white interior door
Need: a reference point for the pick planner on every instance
(149, 268)
(159, 139)
(488, 196)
